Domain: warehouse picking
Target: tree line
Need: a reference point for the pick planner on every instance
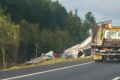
(29, 24)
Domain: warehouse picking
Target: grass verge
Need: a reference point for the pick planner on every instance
(52, 61)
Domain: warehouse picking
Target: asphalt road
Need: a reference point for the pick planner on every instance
(66, 71)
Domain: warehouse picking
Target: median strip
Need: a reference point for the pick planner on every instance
(27, 75)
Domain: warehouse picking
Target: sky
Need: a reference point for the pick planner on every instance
(102, 9)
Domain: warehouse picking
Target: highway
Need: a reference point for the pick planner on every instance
(79, 70)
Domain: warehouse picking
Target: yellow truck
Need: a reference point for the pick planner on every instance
(105, 44)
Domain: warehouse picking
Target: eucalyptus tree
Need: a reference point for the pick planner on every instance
(9, 41)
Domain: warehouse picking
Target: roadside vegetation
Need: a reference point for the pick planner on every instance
(27, 25)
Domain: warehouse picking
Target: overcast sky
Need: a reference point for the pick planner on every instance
(102, 9)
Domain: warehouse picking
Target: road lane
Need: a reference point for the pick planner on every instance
(13, 73)
(32, 74)
(94, 71)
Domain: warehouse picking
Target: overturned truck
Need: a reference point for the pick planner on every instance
(106, 42)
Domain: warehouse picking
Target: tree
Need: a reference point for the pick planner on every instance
(73, 25)
(90, 20)
(1, 11)
(9, 40)
(46, 13)
(29, 37)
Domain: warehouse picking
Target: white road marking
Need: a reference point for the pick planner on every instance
(22, 76)
(116, 78)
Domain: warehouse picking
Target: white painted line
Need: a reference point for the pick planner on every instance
(22, 76)
(116, 78)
